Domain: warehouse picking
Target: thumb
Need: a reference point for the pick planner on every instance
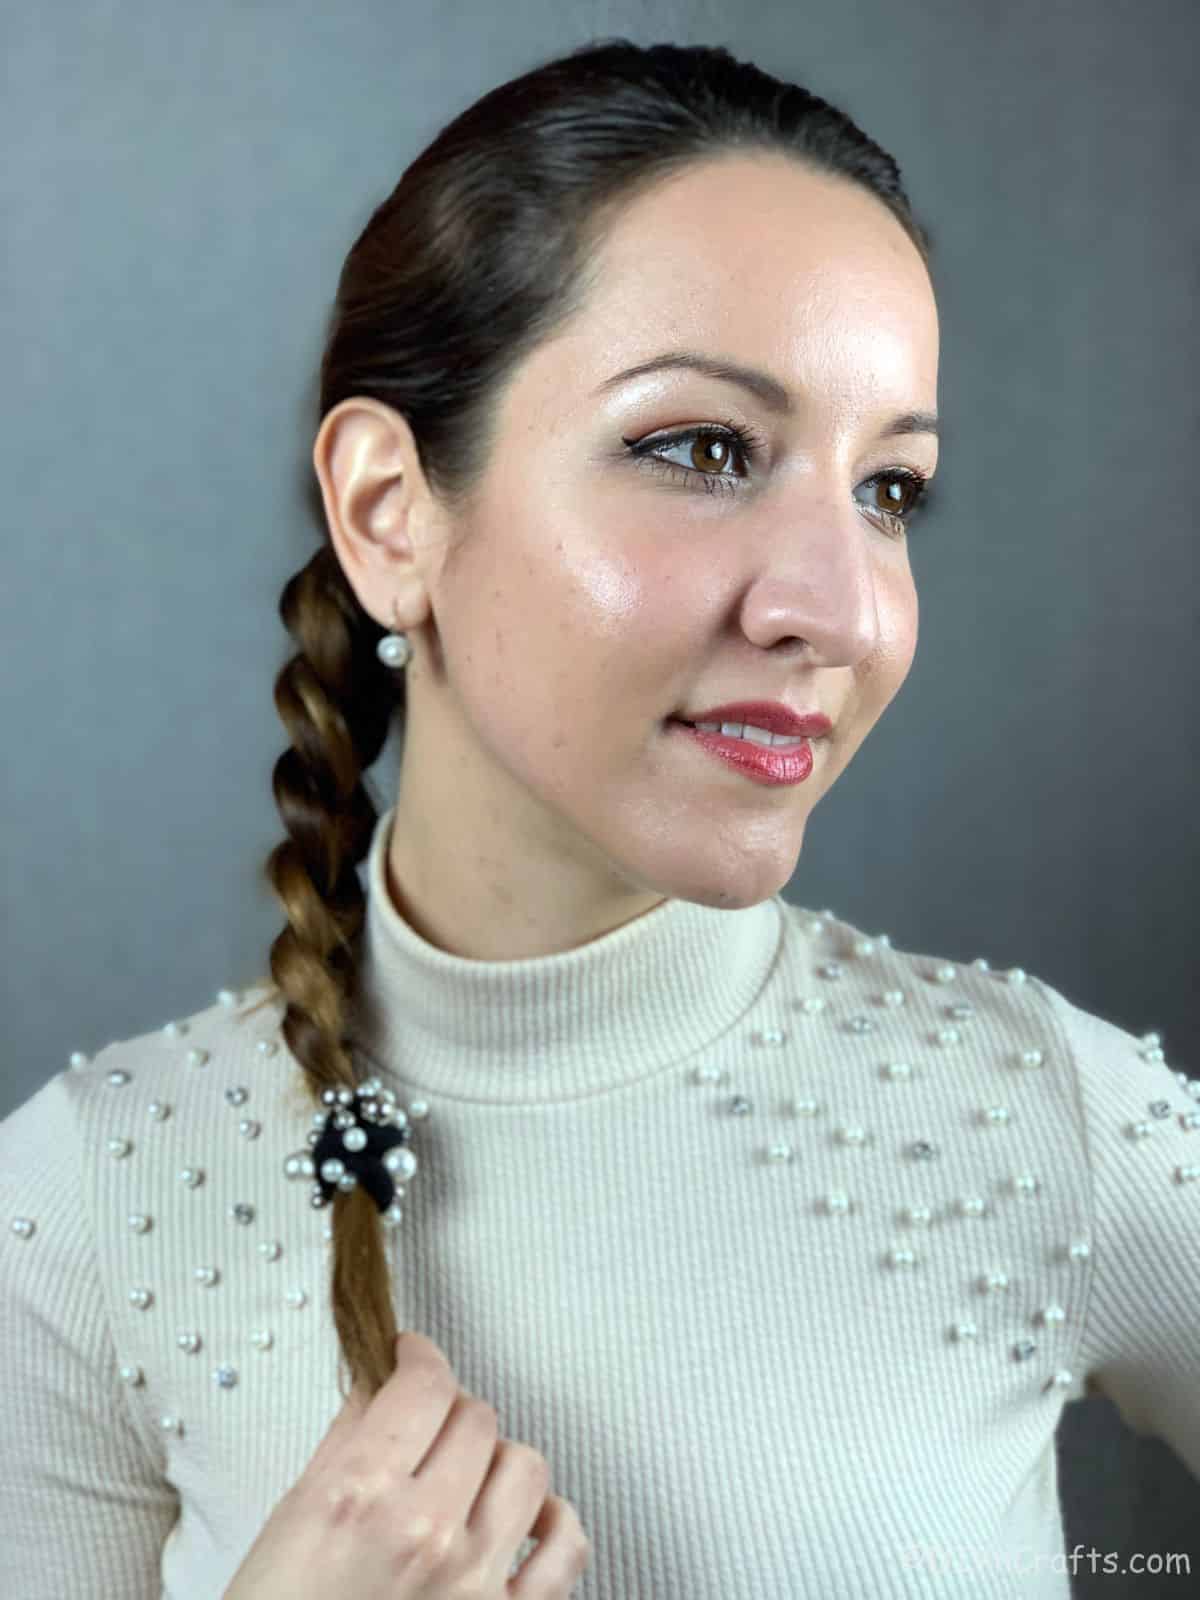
(345, 1419)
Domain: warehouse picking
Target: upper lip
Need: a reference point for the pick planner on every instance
(772, 715)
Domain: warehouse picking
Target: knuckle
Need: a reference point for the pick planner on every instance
(343, 1499)
(482, 1414)
(428, 1536)
(532, 1463)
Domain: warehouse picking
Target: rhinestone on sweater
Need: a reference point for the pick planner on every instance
(141, 1298)
(133, 1376)
(23, 1227)
(296, 1298)
(1023, 1349)
(207, 1276)
(241, 1212)
(225, 1376)
(192, 1176)
(159, 1110)
(861, 1025)
(237, 1097)
(1160, 1108)
(770, 1036)
(170, 1423)
(922, 1149)
(197, 1057)
(249, 1129)
(189, 1342)
(117, 1078)
(262, 1338)
(139, 1223)
(271, 1249)
(119, 1148)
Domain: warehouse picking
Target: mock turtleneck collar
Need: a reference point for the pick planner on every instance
(552, 1027)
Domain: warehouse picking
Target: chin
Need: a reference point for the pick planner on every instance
(732, 885)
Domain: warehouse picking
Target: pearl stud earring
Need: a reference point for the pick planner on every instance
(394, 649)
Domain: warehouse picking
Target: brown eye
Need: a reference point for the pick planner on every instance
(710, 452)
(896, 494)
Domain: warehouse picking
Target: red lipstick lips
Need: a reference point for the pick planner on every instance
(772, 715)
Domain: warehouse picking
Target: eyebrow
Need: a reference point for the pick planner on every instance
(768, 389)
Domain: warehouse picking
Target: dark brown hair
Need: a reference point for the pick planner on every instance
(481, 251)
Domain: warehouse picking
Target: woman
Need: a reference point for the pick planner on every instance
(744, 1255)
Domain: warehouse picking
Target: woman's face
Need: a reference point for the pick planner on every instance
(593, 595)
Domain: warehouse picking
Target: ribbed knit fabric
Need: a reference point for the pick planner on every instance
(785, 1247)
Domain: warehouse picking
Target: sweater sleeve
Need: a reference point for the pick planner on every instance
(84, 1502)
(1140, 1115)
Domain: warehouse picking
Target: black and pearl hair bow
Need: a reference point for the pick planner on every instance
(361, 1139)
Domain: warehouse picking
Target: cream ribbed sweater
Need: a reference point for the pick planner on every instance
(785, 1247)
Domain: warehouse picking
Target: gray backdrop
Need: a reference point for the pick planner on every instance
(180, 185)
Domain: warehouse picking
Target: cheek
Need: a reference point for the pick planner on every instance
(551, 623)
(898, 617)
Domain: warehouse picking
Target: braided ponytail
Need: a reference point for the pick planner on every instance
(483, 250)
(336, 700)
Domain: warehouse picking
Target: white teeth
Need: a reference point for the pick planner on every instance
(747, 730)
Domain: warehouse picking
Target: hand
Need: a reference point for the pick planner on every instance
(412, 1496)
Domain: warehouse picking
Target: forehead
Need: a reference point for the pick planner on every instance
(758, 259)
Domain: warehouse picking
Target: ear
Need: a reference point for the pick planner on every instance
(378, 507)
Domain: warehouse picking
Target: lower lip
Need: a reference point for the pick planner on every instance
(761, 762)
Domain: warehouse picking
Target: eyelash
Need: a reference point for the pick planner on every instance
(749, 444)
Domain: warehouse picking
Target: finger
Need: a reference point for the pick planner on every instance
(558, 1560)
(407, 1414)
(345, 1420)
